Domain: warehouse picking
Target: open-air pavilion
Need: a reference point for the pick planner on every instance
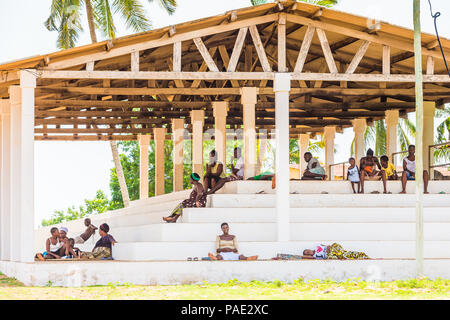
(282, 70)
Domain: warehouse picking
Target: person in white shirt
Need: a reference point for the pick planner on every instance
(409, 170)
(237, 171)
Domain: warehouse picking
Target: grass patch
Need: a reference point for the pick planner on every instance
(234, 289)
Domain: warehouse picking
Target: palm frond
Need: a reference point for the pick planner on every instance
(380, 137)
(257, 2)
(134, 14)
(168, 5)
(104, 19)
(65, 18)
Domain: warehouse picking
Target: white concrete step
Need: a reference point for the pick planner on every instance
(267, 250)
(327, 200)
(332, 187)
(313, 215)
(383, 231)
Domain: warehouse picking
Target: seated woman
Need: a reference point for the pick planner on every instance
(335, 251)
(103, 247)
(214, 171)
(368, 167)
(409, 170)
(196, 199)
(54, 247)
(237, 171)
(226, 247)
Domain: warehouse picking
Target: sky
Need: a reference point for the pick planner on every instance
(66, 173)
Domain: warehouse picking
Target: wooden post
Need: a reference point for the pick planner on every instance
(159, 134)
(419, 137)
(359, 127)
(329, 133)
(429, 108)
(144, 141)
(197, 118)
(220, 109)
(391, 133)
(303, 143)
(177, 136)
(248, 100)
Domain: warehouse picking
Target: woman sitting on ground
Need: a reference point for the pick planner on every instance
(214, 171)
(227, 248)
(196, 199)
(335, 251)
(54, 247)
(237, 171)
(103, 247)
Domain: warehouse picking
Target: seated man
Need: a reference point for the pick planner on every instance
(313, 169)
(237, 172)
(389, 168)
(409, 170)
(335, 251)
(368, 165)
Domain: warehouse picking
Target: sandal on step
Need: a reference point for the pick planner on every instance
(189, 259)
(261, 192)
(195, 259)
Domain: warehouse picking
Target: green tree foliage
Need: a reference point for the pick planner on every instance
(99, 204)
(66, 17)
(325, 3)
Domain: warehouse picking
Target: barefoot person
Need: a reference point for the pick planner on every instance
(409, 170)
(54, 247)
(197, 199)
(353, 175)
(368, 167)
(313, 170)
(103, 247)
(72, 252)
(214, 171)
(227, 247)
(389, 168)
(237, 171)
(334, 251)
(82, 238)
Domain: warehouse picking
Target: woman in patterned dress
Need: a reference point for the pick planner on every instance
(196, 199)
(333, 252)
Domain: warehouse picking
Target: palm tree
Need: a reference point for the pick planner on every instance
(65, 18)
(325, 3)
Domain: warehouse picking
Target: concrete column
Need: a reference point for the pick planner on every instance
(359, 127)
(391, 120)
(248, 100)
(144, 141)
(303, 143)
(159, 135)
(281, 87)
(177, 136)
(22, 173)
(329, 133)
(5, 186)
(220, 109)
(261, 154)
(197, 118)
(429, 108)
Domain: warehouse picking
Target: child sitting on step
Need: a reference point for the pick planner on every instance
(71, 251)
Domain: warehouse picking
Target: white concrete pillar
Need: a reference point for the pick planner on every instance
(248, 100)
(429, 108)
(281, 87)
(159, 135)
(5, 186)
(197, 119)
(177, 137)
(359, 127)
(303, 143)
(261, 154)
(22, 163)
(144, 141)
(329, 133)
(391, 120)
(220, 110)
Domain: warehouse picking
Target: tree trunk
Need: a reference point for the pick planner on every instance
(90, 18)
(120, 175)
(115, 152)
